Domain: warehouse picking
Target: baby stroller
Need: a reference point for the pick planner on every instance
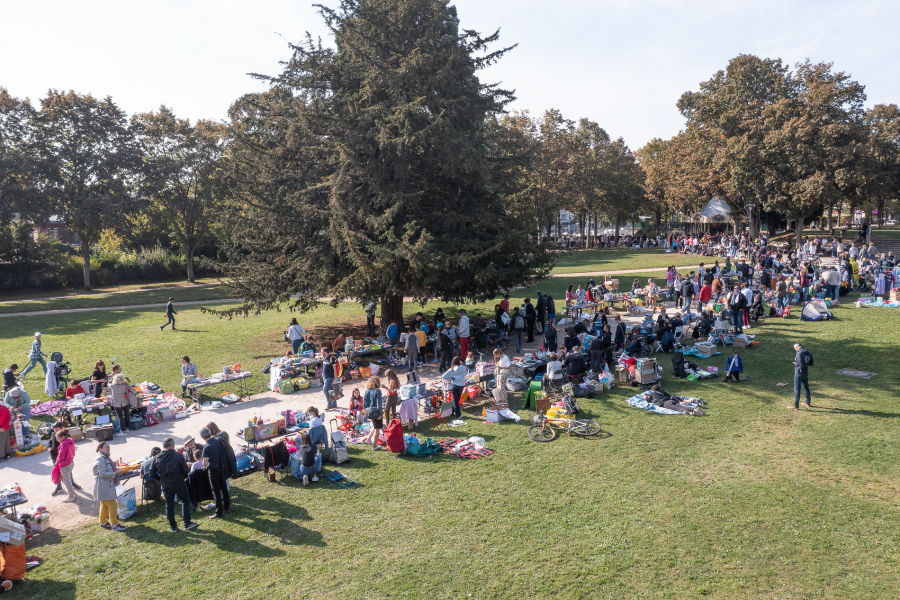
(61, 372)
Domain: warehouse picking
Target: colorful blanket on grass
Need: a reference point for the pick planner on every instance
(50, 407)
(639, 402)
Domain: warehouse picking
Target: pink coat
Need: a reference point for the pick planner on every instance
(66, 455)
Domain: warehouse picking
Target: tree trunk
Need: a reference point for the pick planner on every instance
(799, 229)
(558, 226)
(189, 261)
(881, 212)
(391, 312)
(86, 261)
(596, 227)
(617, 232)
(830, 208)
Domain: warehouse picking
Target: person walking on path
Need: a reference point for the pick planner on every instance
(170, 314)
(541, 308)
(374, 408)
(54, 455)
(518, 325)
(171, 470)
(35, 355)
(802, 362)
(105, 480)
(462, 330)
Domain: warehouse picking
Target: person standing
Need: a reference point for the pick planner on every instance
(65, 460)
(802, 361)
(188, 371)
(171, 470)
(170, 314)
(328, 362)
(502, 366)
(54, 454)
(5, 424)
(518, 328)
(393, 394)
(412, 348)
(297, 334)
(371, 309)
(105, 480)
(122, 400)
(216, 464)
(457, 377)
(504, 304)
(530, 318)
(374, 408)
(462, 330)
(541, 308)
(35, 355)
(393, 336)
(736, 303)
(748, 294)
(443, 346)
(833, 281)
(551, 340)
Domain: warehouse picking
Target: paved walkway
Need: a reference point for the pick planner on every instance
(604, 273)
(60, 311)
(152, 289)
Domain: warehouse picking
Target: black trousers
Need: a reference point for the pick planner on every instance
(446, 358)
(124, 414)
(529, 328)
(370, 325)
(219, 489)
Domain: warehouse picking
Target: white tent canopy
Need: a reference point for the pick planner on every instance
(715, 211)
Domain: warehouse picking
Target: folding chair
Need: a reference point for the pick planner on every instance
(151, 492)
(679, 331)
(439, 419)
(657, 345)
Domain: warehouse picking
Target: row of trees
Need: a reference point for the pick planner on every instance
(82, 158)
(764, 137)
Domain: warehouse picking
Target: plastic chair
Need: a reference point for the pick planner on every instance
(679, 331)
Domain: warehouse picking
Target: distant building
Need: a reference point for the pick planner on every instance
(55, 229)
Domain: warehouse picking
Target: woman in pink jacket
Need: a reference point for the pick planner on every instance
(65, 459)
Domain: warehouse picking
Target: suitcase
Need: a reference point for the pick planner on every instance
(393, 435)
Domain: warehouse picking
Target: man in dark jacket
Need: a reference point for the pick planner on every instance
(620, 333)
(736, 302)
(171, 469)
(530, 318)
(802, 361)
(170, 314)
(541, 307)
(443, 347)
(221, 464)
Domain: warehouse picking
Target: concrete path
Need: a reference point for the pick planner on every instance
(152, 289)
(604, 273)
(60, 311)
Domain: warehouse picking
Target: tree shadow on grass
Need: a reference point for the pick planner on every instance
(49, 588)
(859, 412)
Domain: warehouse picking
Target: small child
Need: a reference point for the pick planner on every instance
(470, 361)
(356, 404)
(312, 414)
(652, 294)
(198, 457)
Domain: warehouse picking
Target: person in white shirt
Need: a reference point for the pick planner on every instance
(462, 330)
(554, 370)
(297, 334)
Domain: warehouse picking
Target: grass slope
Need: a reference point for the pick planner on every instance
(751, 501)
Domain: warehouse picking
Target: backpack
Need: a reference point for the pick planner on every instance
(809, 358)
(520, 322)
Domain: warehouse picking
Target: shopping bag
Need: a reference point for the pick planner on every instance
(127, 503)
(55, 474)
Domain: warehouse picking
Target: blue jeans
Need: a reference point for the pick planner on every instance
(517, 334)
(313, 469)
(835, 290)
(327, 384)
(34, 361)
(179, 493)
(800, 379)
(171, 320)
(295, 345)
(737, 320)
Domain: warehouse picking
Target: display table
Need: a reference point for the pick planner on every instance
(529, 368)
(576, 311)
(239, 380)
(11, 507)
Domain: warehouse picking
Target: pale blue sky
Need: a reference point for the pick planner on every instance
(623, 64)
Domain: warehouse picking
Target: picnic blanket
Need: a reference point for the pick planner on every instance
(639, 402)
(50, 407)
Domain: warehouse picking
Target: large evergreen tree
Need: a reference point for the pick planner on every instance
(375, 169)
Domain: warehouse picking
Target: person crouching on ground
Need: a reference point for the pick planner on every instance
(310, 459)
(171, 469)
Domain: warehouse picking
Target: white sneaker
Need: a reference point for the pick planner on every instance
(315, 478)
(306, 480)
(120, 434)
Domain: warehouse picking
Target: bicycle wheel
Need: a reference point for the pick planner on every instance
(585, 427)
(503, 343)
(541, 433)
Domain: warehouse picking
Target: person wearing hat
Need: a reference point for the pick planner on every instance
(35, 355)
(189, 447)
(19, 404)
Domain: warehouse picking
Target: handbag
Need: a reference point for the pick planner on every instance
(56, 474)
(375, 412)
(539, 327)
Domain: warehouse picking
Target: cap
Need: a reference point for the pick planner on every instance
(187, 438)
(439, 325)
(37, 334)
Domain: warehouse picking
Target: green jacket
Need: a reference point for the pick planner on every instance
(307, 346)
(23, 403)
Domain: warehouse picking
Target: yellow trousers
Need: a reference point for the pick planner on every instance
(109, 511)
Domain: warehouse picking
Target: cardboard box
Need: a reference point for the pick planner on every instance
(706, 350)
(494, 405)
(90, 433)
(266, 430)
(493, 416)
(42, 526)
(622, 374)
(645, 376)
(11, 532)
(541, 402)
(740, 342)
(76, 434)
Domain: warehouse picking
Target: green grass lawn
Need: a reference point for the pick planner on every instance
(750, 501)
(6, 296)
(622, 259)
